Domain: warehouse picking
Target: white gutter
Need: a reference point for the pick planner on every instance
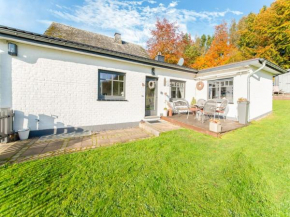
(248, 83)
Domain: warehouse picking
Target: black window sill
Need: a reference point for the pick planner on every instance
(112, 100)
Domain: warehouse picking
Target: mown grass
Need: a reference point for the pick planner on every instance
(246, 173)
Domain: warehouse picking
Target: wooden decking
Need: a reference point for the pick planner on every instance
(282, 97)
(194, 124)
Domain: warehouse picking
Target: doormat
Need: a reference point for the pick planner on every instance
(154, 122)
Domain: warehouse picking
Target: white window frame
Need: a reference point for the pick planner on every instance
(177, 86)
(222, 83)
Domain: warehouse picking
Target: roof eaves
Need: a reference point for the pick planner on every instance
(272, 65)
(245, 63)
(228, 66)
(35, 37)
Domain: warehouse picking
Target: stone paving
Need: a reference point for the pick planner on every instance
(163, 126)
(39, 148)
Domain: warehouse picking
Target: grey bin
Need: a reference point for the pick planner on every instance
(243, 110)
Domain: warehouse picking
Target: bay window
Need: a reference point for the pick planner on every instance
(111, 85)
(221, 89)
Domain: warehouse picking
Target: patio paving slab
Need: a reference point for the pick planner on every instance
(66, 135)
(53, 146)
(103, 142)
(10, 149)
(38, 148)
(74, 143)
(87, 142)
(35, 149)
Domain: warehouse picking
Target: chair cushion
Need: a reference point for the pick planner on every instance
(220, 111)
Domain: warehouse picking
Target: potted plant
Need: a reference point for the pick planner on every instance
(243, 109)
(215, 126)
(165, 112)
(193, 102)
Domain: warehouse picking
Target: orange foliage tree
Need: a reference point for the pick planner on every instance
(167, 39)
(220, 52)
(267, 34)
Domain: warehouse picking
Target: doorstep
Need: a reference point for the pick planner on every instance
(151, 118)
(157, 127)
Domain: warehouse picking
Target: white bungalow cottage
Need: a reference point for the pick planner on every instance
(76, 80)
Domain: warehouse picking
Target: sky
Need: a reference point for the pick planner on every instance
(132, 18)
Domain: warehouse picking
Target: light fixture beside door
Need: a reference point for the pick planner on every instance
(12, 49)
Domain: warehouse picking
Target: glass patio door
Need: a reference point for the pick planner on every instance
(151, 97)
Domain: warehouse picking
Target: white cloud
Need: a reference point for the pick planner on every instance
(133, 19)
(173, 4)
(237, 12)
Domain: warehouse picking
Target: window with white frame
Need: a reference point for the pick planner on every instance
(177, 89)
(221, 89)
(111, 85)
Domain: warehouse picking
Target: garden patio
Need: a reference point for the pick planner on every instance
(194, 124)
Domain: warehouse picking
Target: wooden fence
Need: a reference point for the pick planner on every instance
(6, 124)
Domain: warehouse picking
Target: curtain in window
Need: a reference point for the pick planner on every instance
(177, 89)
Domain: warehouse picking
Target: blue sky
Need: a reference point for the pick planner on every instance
(133, 19)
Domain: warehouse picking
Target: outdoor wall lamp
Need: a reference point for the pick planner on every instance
(153, 71)
(12, 49)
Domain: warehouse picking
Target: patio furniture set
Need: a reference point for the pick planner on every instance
(201, 109)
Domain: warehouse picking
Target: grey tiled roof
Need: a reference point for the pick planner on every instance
(17, 34)
(58, 30)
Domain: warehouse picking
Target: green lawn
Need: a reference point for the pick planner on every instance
(246, 173)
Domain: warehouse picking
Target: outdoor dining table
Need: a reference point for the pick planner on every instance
(197, 110)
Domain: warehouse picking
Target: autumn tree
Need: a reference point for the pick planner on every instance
(267, 34)
(234, 34)
(199, 47)
(220, 51)
(167, 40)
(185, 46)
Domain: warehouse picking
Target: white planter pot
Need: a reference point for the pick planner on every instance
(165, 113)
(23, 134)
(215, 127)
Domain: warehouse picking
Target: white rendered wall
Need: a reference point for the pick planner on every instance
(5, 76)
(60, 88)
(261, 100)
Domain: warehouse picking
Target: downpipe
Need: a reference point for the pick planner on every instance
(248, 85)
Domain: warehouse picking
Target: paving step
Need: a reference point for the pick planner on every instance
(151, 118)
(145, 125)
